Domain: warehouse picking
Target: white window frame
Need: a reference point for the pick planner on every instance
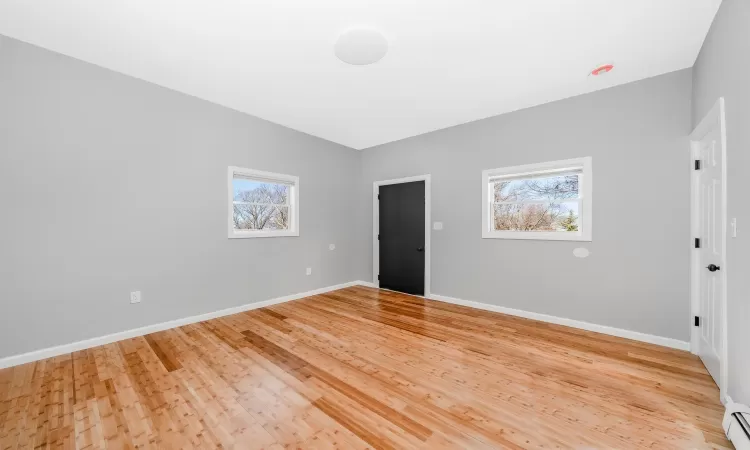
(584, 193)
(269, 177)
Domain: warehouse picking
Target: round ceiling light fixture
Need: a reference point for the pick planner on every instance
(361, 46)
(601, 69)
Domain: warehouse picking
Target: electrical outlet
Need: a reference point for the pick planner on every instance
(135, 297)
(309, 271)
(331, 246)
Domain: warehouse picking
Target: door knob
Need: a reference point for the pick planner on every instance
(419, 249)
(713, 267)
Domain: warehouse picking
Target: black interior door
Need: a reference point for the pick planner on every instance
(401, 234)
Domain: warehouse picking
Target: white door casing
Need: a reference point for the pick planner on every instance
(708, 202)
(427, 228)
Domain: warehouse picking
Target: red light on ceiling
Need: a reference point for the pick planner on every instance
(601, 70)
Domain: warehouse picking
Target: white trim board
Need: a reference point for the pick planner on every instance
(50, 352)
(619, 332)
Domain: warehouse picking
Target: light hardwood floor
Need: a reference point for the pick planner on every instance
(362, 368)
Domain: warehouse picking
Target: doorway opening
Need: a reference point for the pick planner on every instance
(401, 234)
(708, 206)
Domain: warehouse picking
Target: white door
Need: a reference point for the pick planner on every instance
(710, 253)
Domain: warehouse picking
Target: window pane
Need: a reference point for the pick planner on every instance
(251, 191)
(562, 217)
(551, 189)
(261, 217)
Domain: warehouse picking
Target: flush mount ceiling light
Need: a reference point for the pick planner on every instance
(601, 69)
(361, 46)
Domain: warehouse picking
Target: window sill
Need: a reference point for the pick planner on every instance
(261, 234)
(537, 236)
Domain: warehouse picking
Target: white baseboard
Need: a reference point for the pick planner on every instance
(50, 352)
(643, 337)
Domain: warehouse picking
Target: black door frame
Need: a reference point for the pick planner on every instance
(427, 228)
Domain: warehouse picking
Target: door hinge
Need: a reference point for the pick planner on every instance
(697, 321)
(378, 237)
(378, 277)
(378, 196)
(697, 164)
(697, 243)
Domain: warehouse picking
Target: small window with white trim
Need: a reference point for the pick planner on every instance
(262, 204)
(546, 201)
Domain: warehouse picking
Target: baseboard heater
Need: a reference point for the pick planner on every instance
(737, 426)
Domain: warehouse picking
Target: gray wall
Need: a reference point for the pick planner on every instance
(722, 71)
(109, 184)
(637, 276)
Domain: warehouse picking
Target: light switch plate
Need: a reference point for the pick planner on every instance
(437, 225)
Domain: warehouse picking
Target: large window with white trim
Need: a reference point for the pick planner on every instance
(262, 204)
(546, 201)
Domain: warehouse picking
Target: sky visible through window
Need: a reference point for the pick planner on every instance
(241, 184)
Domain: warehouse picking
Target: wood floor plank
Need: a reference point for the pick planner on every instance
(364, 368)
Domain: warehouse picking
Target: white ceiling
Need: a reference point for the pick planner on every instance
(450, 62)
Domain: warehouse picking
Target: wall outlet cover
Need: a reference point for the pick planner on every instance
(331, 246)
(135, 297)
(309, 271)
(437, 226)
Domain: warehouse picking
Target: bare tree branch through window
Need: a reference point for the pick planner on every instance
(263, 206)
(537, 204)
